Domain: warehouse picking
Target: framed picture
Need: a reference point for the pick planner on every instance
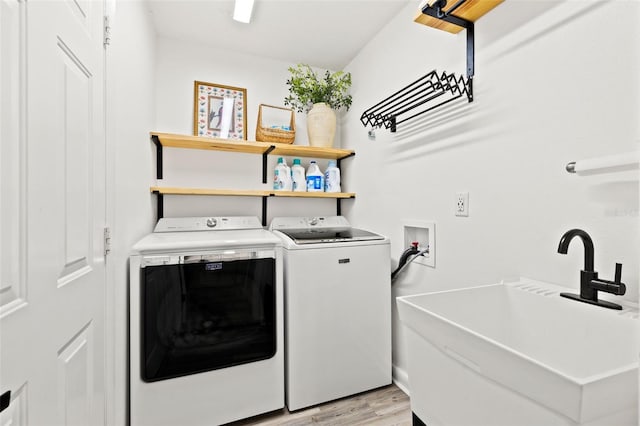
(219, 111)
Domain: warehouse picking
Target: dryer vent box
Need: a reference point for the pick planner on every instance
(424, 233)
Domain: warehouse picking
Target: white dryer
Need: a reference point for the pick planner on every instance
(206, 322)
(337, 309)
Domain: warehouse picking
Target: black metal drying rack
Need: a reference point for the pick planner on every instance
(432, 90)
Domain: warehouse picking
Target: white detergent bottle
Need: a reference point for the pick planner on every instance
(332, 178)
(298, 176)
(315, 178)
(287, 180)
(280, 175)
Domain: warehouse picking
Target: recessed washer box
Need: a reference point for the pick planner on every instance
(424, 232)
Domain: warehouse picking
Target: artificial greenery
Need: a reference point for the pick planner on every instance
(307, 88)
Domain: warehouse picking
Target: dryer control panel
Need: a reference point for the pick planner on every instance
(313, 222)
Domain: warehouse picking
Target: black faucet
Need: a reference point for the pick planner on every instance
(590, 284)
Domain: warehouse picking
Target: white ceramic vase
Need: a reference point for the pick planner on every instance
(321, 125)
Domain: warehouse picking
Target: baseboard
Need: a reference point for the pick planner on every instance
(401, 379)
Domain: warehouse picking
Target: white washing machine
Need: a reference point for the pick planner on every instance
(206, 322)
(337, 309)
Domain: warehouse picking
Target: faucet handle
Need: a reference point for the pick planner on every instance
(618, 276)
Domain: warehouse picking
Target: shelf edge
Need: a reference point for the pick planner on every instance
(248, 193)
(247, 146)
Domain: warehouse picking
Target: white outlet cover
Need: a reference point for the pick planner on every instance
(462, 204)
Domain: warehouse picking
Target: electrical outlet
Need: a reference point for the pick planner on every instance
(462, 204)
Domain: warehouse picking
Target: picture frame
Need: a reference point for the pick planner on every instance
(219, 111)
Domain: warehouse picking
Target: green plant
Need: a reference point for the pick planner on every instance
(307, 88)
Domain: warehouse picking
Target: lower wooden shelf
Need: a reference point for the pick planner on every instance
(165, 190)
(313, 194)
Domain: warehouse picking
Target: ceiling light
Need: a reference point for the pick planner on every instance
(242, 11)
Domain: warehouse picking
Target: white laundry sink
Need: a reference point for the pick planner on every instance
(519, 354)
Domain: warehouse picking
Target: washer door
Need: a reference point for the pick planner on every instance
(205, 313)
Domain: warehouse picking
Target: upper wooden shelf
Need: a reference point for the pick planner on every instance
(250, 147)
(471, 10)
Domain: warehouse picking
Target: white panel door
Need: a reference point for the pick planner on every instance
(52, 212)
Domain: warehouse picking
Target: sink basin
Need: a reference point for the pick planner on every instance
(518, 353)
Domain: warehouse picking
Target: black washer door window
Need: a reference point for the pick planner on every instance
(199, 317)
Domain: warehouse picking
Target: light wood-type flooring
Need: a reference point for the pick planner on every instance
(387, 406)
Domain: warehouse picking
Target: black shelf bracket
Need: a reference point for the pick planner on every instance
(437, 11)
(264, 163)
(339, 160)
(159, 204)
(156, 140)
(264, 208)
(339, 206)
(432, 90)
(338, 200)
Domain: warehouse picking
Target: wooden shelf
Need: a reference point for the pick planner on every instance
(314, 194)
(162, 140)
(311, 151)
(250, 147)
(472, 10)
(165, 190)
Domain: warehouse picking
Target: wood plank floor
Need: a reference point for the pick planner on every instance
(387, 406)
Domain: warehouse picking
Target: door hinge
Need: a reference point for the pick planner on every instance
(107, 31)
(107, 241)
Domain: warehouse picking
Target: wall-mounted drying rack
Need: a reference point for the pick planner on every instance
(428, 92)
(433, 90)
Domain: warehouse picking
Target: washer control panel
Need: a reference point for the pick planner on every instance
(184, 224)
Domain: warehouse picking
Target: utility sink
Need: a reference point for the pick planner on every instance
(519, 354)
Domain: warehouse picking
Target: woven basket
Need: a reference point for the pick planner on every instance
(267, 134)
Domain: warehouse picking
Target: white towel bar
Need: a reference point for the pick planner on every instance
(610, 163)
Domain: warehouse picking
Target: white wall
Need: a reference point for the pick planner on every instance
(551, 86)
(555, 82)
(179, 65)
(130, 117)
